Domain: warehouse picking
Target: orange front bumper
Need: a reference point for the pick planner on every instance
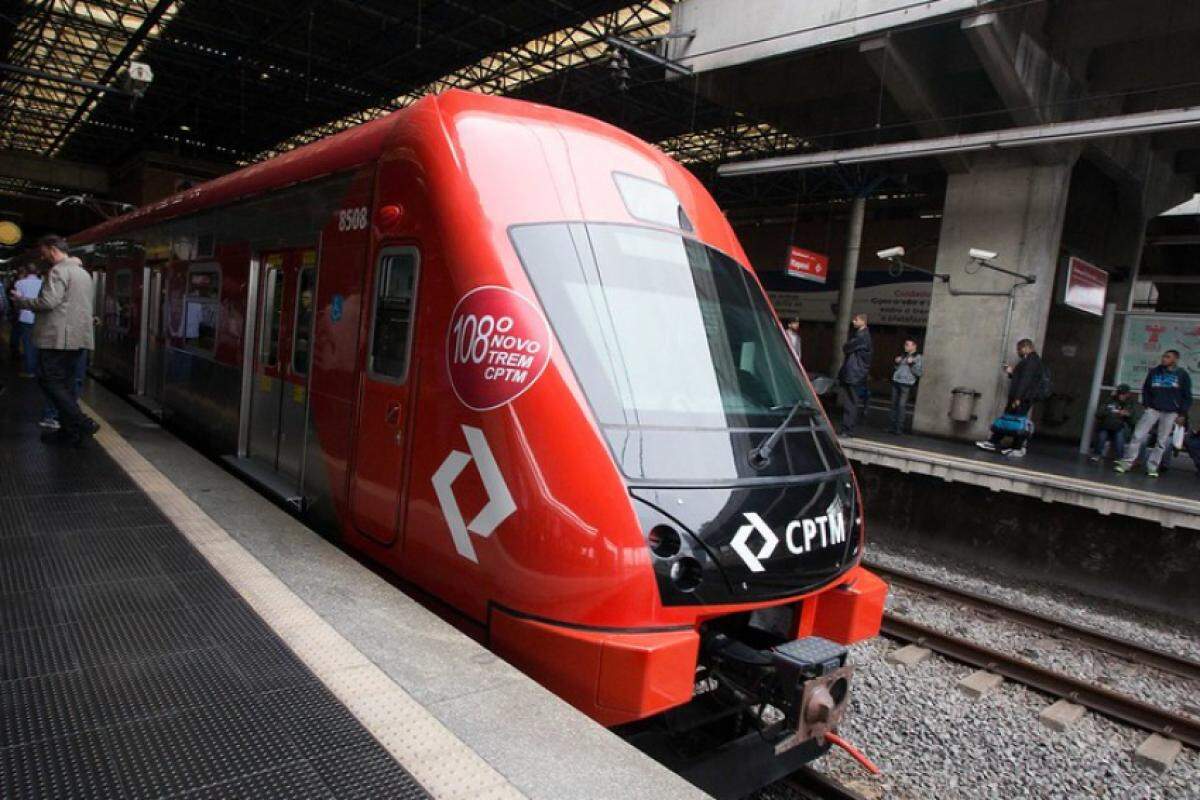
(612, 677)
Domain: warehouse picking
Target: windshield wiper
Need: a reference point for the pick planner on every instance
(761, 455)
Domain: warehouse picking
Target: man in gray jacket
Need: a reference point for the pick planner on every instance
(909, 368)
(62, 331)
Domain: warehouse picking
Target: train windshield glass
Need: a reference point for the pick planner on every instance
(660, 329)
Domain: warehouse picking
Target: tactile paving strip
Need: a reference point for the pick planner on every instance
(412, 738)
(130, 668)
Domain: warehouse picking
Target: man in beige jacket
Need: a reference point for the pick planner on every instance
(62, 331)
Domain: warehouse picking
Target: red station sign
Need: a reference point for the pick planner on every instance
(807, 265)
(1086, 287)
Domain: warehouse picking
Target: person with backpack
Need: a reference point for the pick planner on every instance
(1028, 383)
(1166, 397)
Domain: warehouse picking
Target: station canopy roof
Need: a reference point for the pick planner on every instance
(241, 80)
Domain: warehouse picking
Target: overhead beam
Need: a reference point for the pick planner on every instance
(909, 78)
(1013, 138)
(1032, 85)
(53, 172)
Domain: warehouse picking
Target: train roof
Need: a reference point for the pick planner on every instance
(345, 150)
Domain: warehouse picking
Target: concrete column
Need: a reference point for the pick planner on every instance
(1016, 210)
(841, 326)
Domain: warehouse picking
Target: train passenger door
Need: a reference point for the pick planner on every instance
(155, 337)
(281, 364)
(385, 400)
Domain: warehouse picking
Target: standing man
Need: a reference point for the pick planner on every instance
(62, 333)
(852, 377)
(28, 287)
(909, 367)
(14, 330)
(791, 329)
(1167, 396)
(1026, 385)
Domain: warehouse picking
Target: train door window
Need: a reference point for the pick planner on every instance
(302, 330)
(269, 350)
(202, 306)
(395, 292)
(122, 300)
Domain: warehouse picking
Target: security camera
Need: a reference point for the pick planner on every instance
(982, 255)
(890, 253)
(136, 79)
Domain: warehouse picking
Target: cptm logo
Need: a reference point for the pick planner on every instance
(499, 507)
(800, 536)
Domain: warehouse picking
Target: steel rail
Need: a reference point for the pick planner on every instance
(818, 786)
(1101, 700)
(1114, 645)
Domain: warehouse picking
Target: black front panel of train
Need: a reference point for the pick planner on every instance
(749, 543)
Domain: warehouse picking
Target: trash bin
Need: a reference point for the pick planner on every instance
(962, 403)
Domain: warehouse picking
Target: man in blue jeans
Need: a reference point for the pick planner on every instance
(28, 288)
(62, 332)
(1167, 397)
(1114, 423)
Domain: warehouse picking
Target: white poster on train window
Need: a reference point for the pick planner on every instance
(195, 314)
(1147, 336)
(903, 303)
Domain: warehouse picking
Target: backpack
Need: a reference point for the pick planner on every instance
(1045, 384)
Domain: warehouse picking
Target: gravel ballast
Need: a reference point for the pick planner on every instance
(934, 743)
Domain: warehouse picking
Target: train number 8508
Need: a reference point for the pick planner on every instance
(352, 219)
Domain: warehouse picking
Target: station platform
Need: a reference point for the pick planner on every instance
(1052, 516)
(1051, 471)
(167, 632)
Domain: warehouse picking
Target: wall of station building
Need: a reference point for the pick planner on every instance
(1099, 226)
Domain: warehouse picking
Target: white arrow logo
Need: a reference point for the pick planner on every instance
(499, 507)
(738, 543)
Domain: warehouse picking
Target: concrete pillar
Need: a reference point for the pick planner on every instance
(841, 326)
(1016, 210)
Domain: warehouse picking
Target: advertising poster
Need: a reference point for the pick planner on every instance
(1145, 338)
(904, 303)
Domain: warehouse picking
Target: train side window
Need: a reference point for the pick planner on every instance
(269, 349)
(122, 300)
(302, 330)
(202, 307)
(395, 293)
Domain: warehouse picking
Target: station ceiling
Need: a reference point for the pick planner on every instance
(241, 80)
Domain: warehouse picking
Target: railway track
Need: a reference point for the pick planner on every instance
(1100, 699)
(814, 785)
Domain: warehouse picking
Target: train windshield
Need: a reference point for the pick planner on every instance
(661, 330)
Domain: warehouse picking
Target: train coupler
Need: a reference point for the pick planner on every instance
(813, 685)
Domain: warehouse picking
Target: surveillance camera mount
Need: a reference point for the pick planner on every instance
(986, 262)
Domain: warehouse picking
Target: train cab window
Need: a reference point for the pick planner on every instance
(302, 330)
(122, 310)
(395, 293)
(201, 309)
(269, 351)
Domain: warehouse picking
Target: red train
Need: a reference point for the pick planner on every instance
(517, 357)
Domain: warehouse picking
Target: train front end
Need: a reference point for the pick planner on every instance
(686, 565)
